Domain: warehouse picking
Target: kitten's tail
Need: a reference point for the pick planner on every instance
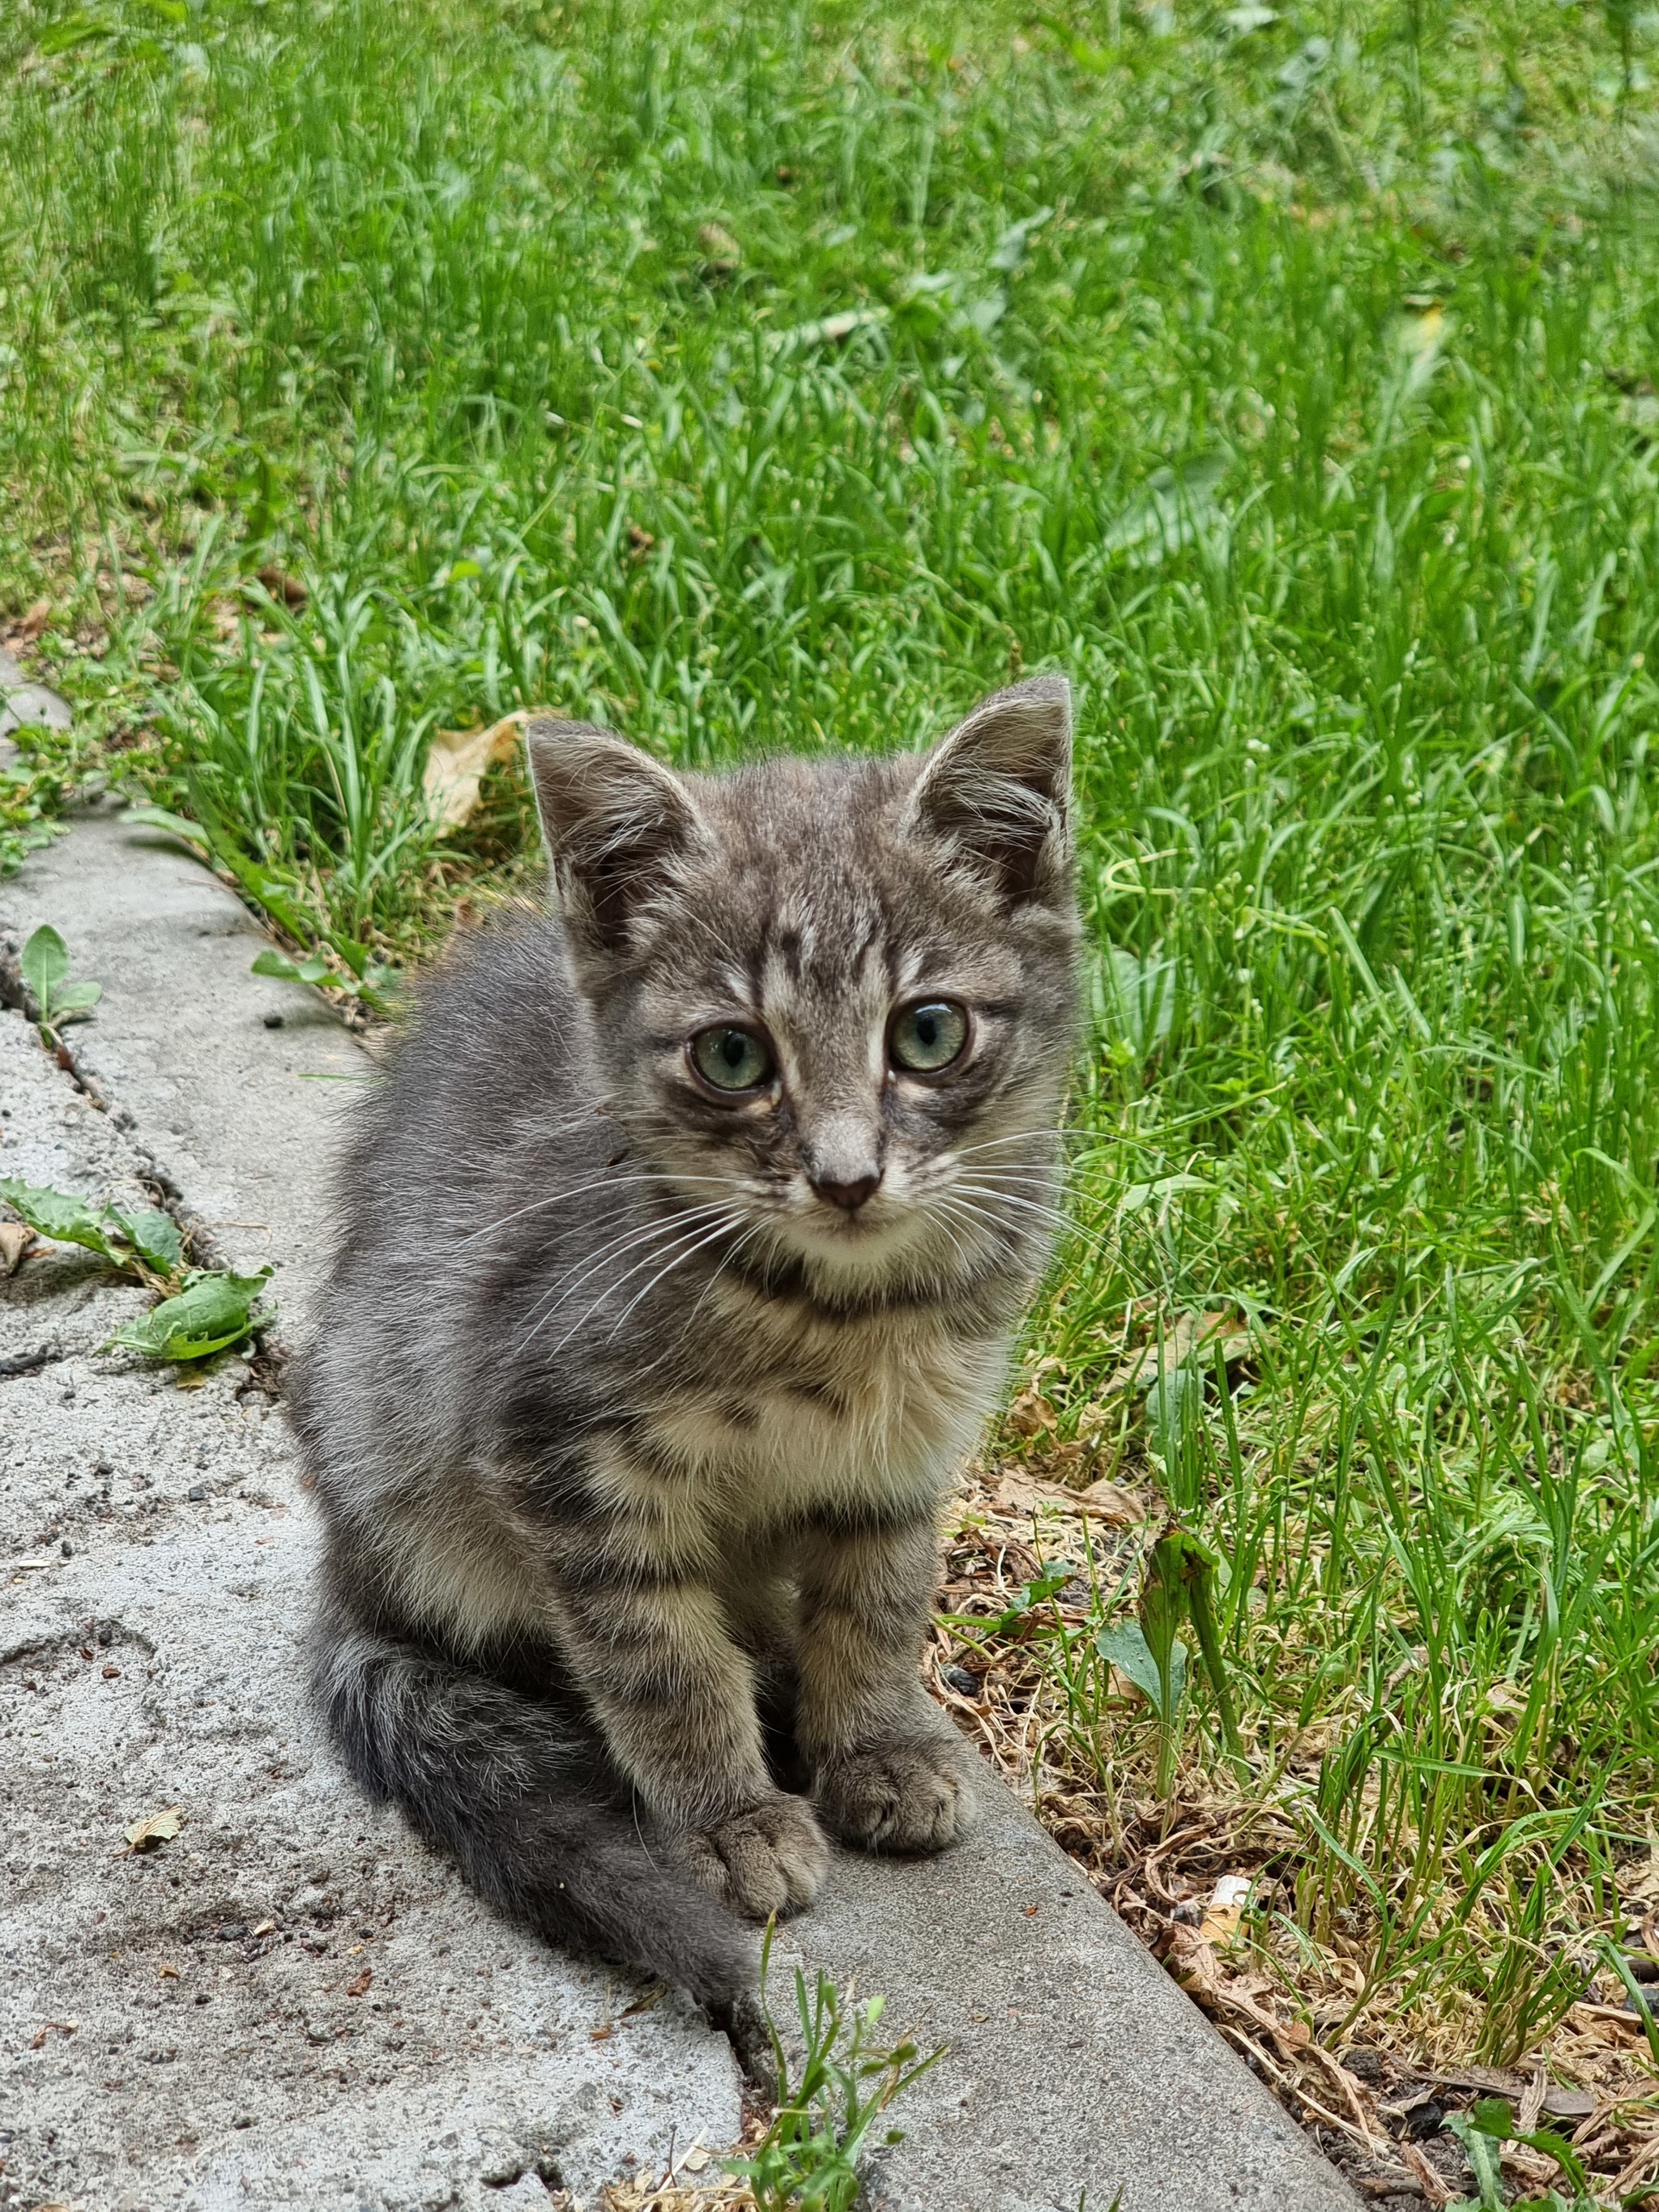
(518, 1794)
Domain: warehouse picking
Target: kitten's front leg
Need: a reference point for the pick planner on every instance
(675, 1700)
(891, 1773)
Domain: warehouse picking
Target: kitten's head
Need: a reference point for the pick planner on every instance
(833, 998)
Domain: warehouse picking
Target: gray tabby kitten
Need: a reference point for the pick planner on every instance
(681, 1256)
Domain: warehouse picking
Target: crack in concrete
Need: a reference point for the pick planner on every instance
(31, 1362)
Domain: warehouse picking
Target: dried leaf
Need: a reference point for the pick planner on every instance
(281, 586)
(1186, 1333)
(1019, 1493)
(160, 1828)
(16, 1238)
(1121, 1508)
(1030, 1414)
(360, 1987)
(458, 761)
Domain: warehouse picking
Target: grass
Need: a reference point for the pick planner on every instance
(756, 376)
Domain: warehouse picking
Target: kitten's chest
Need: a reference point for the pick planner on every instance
(801, 1415)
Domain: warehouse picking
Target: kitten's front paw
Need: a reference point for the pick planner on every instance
(772, 1858)
(910, 1796)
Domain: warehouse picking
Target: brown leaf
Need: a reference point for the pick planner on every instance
(1030, 1414)
(160, 1828)
(1112, 1502)
(281, 586)
(360, 1988)
(1187, 1334)
(456, 765)
(111, 1674)
(25, 631)
(17, 1240)
(1018, 1493)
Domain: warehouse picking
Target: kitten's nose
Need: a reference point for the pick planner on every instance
(848, 1195)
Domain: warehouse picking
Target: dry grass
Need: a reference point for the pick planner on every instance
(1369, 2080)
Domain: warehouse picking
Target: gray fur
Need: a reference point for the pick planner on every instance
(631, 1404)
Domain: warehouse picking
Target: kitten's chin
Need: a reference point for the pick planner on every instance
(859, 1251)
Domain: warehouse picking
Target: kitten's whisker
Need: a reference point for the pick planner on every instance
(619, 1248)
(938, 1215)
(1071, 1170)
(720, 1229)
(650, 1259)
(1062, 1224)
(754, 1229)
(596, 1182)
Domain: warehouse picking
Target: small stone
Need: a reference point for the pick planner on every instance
(1365, 2063)
(272, 1022)
(67, 1548)
(958, 1679)
(196, 1492)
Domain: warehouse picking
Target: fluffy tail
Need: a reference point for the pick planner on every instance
(523, 1797)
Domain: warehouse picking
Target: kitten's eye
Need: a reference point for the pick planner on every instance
(732, 1058)
(927, 1038)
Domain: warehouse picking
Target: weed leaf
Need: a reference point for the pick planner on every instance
(154, 1236)
(212, 1312)
(54, 1213)
(45, 963)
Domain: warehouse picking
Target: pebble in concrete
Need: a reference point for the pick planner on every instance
(471, 2063)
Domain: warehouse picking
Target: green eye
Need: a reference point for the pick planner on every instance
(927, 1038)
(732, 1058)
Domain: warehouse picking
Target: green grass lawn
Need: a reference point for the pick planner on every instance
(768, 376)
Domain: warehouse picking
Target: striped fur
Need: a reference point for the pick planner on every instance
(628, 1439)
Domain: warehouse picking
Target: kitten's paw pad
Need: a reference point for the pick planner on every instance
(772, 1858)
(899, 1796)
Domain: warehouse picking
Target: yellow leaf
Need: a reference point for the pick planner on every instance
(15, 1238)
(456, 763)
(160, 1828)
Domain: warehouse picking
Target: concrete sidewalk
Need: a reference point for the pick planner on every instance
(294, 2003)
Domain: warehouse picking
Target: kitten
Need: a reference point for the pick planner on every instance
(680, 1259)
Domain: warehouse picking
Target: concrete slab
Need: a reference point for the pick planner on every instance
(219, 2054)
(22, 702)
(234, 1084)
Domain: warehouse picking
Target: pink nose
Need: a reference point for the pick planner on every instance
(849, 1196)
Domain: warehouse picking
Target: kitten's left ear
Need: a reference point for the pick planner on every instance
(615, 821)
(998, 788)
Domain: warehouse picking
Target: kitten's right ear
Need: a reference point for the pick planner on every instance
(615, 821)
